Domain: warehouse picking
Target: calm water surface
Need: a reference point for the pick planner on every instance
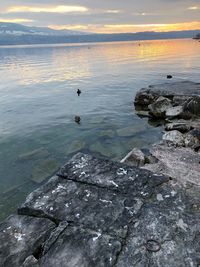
(38, 103)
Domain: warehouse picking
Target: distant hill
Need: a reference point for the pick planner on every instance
(19, 30)
(17, 34)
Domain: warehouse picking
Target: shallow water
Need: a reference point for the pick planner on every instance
(38, 103)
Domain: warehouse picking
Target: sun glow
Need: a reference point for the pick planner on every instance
(124, 28)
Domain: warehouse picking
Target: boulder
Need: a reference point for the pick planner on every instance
(193, 106)
(174, 112)
(174, 138)
(179, 126)
(159, 107)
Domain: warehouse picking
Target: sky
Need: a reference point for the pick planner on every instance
(104, 16)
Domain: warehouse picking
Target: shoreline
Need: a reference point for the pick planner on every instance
(142, 211)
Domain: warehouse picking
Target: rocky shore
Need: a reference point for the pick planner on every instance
(144, 211)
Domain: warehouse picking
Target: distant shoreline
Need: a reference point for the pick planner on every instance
(37, 39)
(84, 43)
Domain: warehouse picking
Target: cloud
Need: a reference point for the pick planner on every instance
(16, 20)
(193, 8)
(50, 9)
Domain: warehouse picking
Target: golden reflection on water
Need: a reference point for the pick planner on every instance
(78, 62)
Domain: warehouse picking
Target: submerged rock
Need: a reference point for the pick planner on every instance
(75, 146)
(44, 170)
(134, 158)
(107, 133)
(130, 130)
(100, 148)
(36, 153)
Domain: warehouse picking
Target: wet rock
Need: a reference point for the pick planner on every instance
(134, 158)
(144, 98)
(174, 138)
(77, 246)
(174, 112)
(75, 146)
(193, 106)
(179, 126)
(159, 107)
(44, 170)
(20, 237)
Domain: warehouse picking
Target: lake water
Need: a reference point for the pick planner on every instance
(38, 103)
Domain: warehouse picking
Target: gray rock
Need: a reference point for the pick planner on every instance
(112, 175)
(134, 158)
(193, 105)
(192, 139)
(31, 261)
(20, 237)
(181, 163)
(169, 90)
(174, 112)
(179, 126)
(78, 246)
(159, 107)
(164, 239)
(174, 138)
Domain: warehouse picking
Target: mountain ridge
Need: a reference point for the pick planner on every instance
(18, 34)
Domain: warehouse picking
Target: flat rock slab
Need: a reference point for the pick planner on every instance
(106, 214)
(166, 234)
(111, 175)
(20, 237)
(185, 88)
(96, 208)
(82, 247)
(180, 163)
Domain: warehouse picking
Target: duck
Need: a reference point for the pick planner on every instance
(78, 92)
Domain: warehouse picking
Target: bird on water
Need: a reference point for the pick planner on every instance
(78, 92)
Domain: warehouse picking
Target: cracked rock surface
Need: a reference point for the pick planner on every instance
(96, 212)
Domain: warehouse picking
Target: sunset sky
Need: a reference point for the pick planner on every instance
(104, 16)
